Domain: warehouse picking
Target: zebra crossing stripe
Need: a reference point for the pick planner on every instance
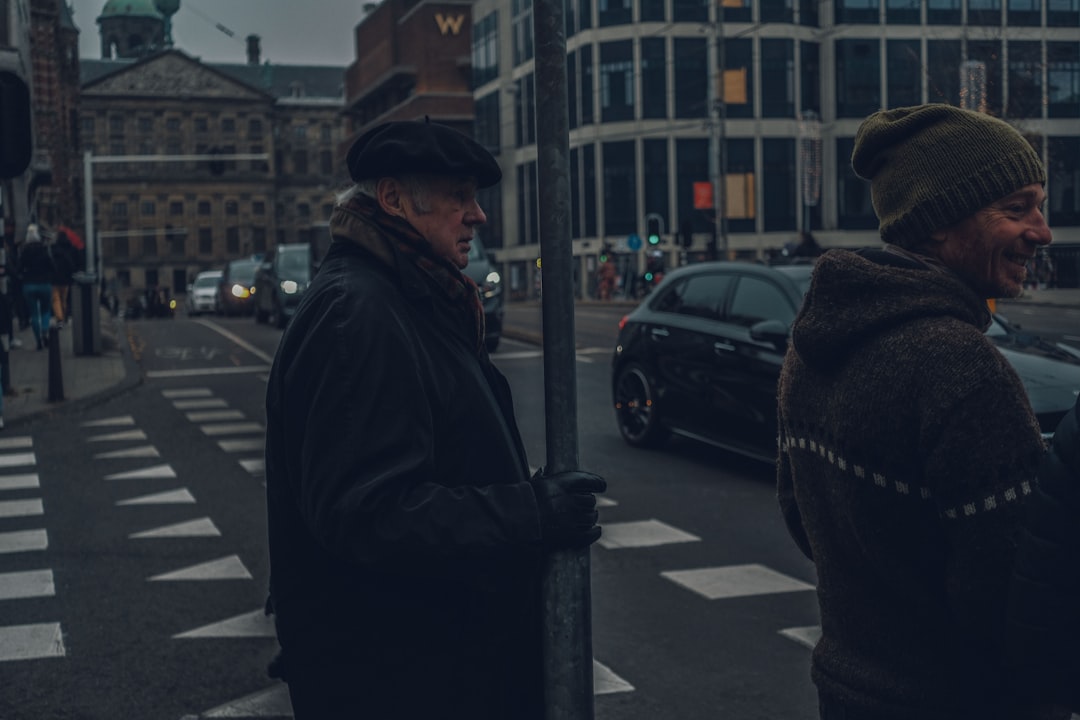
(253, 624)
(733, 581)
(187, 393)
(21, 508)
(10, 460)
(118, 436)
(19, 442)
(28, 584)
(270, 703)
(255, 466)
(226, 568)
(605, 682)
(644, 533)
(19, 482)
(203, 527)
(142, 451)
(243, 445)
(23, 541)
(200, 404)
(807, 636)
(118, 421)
(231, 428)
(31, 642)
(169, 497)
(149, 473)
(214, 415)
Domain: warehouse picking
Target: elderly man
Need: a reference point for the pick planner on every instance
(908, 448)
(406, 536)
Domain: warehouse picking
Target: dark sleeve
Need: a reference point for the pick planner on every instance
(785, 482)
(370, 486)
(1044, 599)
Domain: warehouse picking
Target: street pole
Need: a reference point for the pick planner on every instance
(717, 157)
(567, 631)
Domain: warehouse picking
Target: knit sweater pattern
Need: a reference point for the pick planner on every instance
(907, 451)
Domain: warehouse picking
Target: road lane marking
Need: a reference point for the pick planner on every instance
(23, 541)
(17, 459)
(203, 527)
(268, 359)
(214, 415)
(31, 642)
(119, 436)
(143, 451)
(232, 428)
(733, 581)
(255, 466)
(806, 636)
(19, 482)
(21, 508)
(119, 421)
(244, 445)
(643, 533)
(187, 393)
(605, 682)
(19, 442)
(200, 404)
(253, 624)
(169, 497)
(196, 372)
(226, 568)
(29, 584)
(273, 702)
(155, 472)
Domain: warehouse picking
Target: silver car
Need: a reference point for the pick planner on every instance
(201, 294)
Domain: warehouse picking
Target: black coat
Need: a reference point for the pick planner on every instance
(1044, 602)
(36, 263)
(404, 534)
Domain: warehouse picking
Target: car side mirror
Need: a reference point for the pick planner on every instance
(770, 331)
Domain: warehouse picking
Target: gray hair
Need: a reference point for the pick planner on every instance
(415, 185)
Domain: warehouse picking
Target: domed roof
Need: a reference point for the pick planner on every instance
(130, 8)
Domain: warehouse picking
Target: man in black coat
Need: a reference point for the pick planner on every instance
(406, 537)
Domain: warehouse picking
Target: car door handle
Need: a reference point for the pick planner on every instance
(728, 347)
(659, 333)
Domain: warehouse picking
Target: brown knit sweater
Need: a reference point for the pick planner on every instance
(907, 449)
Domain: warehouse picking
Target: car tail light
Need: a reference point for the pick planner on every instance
(622, 323)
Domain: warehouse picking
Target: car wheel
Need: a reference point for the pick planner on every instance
(636, 408)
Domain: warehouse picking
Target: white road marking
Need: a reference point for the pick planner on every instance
(19, 442)
(226, 568)
(23, 541)
(30, 642)
(245, 445)
(118, 421)
(196, 372)
(200, 404)
(255, 466)
(150, 473)
(29, 584)
(268, 359)
(187, 393)
(807, 636)
(215, 415)
(203, 527)
(606, 682)
(169, 497)
(644, 533)
(19, 482)
(126, 435)
(272, 702)
(253, 624)
(232, 428)
(602, 501)
(735, 581)
(21, 508)
(143, 451)
(17, 459)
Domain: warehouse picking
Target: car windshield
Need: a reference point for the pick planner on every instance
(243, 270)
(295, 265)
(207, 281)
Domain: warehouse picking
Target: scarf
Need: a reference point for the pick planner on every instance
(355, 219)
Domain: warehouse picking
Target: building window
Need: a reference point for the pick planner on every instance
(739, 180)
(942, 61)
(652, 10)
(691, 166)
(176, 207)
(204, 207)
(655, 167)
(232, 241)
(589, 189)
(736, 10)
(146, 124)
(653, 78)
(303, 212)
(525, 111)
(903, 68)
(1063, 183)
(690, 11)
(988, 52)
(258, 239)
(984, 12)
(120, 248)
(620, 188)
(88, 126)
(116, 124)
(691, 78)
(616, 81)
(119, 209)
(255, 128)
(1063, 79)
(206, 241)
(587, 87)
(779, 183)
(575, 193)
(858, 77)
(943, 12)
(572, 90)
(855, 211)
(228, 125)
(326, 163)
(1063, 13)
(487, 122)
(172, 124)
(808, 13)
(777, 78)
(232, 207)
(861, 12)
(148, 207)
(613, 12)
(810, 69)
(777, 11)
(485, 50)
(149, 245)
(258, 207)
(738, 81)
(522, 29)
(1025, 79)
(903, 12)
(1025, 13)
(202, 125)
(177, 240)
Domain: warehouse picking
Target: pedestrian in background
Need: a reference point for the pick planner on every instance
(406, 536)
(36, 271)
(908, 447)
(1044, 603)
(64, 264)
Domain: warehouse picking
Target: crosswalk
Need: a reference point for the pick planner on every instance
(125, 458)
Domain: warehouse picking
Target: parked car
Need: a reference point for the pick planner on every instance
(235, 295)
(482, 271)
(281, 281)
(701, 358)
(202, 293)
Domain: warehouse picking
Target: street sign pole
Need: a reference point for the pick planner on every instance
(567, 632)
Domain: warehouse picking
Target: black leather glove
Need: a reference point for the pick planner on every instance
(568, 507)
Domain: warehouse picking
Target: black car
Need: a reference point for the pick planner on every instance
(280, 283)
(701, 357)
(482, 271)
(236, 290)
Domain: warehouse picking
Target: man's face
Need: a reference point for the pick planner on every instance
(990, 248)
(452, 214)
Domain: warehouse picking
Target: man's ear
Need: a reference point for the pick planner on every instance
(390, 197)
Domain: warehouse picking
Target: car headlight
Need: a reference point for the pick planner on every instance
(241, 292)
(289, 287)
(492, 285)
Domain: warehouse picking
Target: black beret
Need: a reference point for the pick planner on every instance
(406, 147)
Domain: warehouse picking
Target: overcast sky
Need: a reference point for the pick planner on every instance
(293, 32)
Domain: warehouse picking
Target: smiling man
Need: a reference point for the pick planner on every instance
(908, 449)
(406, 536)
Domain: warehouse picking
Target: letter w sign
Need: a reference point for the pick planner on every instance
(450, 25)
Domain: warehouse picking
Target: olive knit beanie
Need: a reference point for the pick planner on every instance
(930, 166)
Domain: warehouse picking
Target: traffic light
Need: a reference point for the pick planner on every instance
(654, 231)
(16, 137)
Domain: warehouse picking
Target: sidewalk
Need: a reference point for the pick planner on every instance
(89, 379)
(85, 379)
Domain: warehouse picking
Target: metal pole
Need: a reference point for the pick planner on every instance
(717, 158)
(567, 632)
(88, 209)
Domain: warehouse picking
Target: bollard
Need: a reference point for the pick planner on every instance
(56, 377)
